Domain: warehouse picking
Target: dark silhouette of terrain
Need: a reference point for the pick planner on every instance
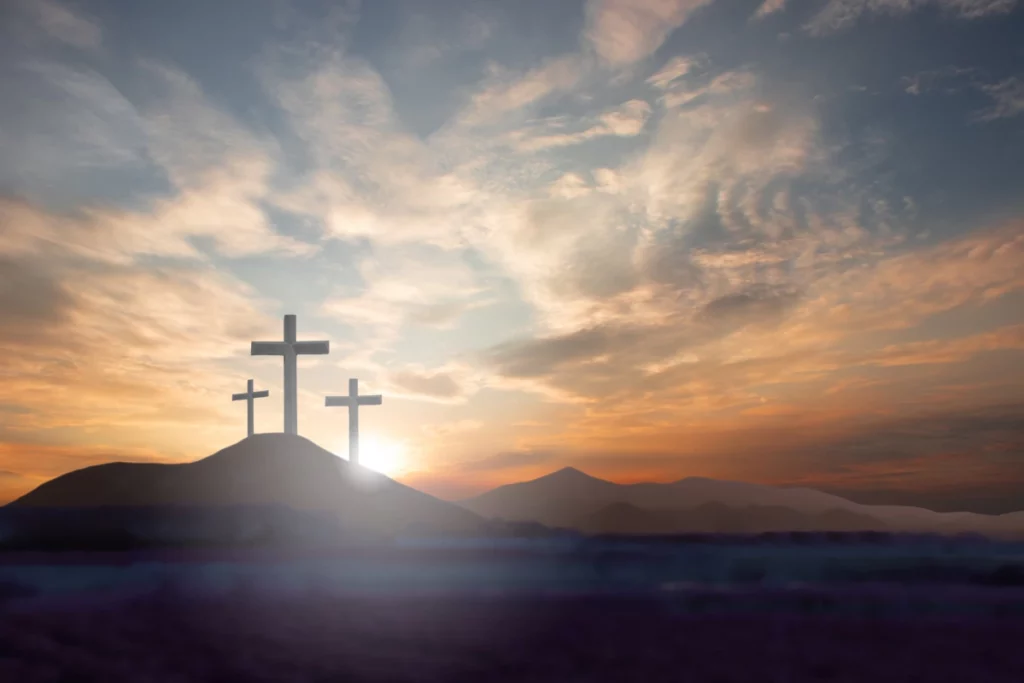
(573, 499)
(626, 518)
(246, 636)
(291, 481)
(281, 489)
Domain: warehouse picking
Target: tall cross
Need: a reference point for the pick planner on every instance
(353, 401)
(249, 396)
(290, 349)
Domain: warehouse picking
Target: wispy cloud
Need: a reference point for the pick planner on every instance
(838, 15)
(61, 23)
(951, 350)
(505, 93)
(672, 71)
(451, 384)
(1007, 99)
(626, 120)
(625, 31)
(405, 289)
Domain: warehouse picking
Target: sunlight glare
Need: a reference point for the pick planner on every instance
(380, 454)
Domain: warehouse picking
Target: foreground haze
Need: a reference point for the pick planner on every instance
(777, 242)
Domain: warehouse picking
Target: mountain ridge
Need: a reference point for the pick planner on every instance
(541, 500)
(291, 471)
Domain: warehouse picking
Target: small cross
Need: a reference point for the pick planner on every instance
(353, 401)
(249, 396)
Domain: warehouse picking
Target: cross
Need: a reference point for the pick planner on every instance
(290, 349)
(353, 401)
(249, 396)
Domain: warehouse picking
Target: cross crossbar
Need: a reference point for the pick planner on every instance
(256, 394)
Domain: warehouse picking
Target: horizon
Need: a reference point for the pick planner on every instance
(772, 242)
(532, 479)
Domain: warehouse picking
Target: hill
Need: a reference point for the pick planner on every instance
(573, 499)
(273, 471)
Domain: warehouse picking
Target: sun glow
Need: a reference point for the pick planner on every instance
(383, 455)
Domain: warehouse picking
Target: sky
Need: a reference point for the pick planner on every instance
(771, 241)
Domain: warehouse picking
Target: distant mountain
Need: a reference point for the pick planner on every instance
(276, 470)
(559, 499)
(573, 499)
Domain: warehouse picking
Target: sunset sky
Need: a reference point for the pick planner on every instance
(778, 242)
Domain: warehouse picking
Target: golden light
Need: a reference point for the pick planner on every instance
(381, 454)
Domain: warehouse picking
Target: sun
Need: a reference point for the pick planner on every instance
(380, 454)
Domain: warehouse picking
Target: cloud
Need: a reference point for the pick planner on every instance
(681, 93)
(450, 429)
(683, 245)
(626, 120)
(842, 14)
(408, 288)
(930, 80)
(368, 177)
(60, 23)
(674, 69)
(190, 138)
(77, 122)
(539, 357)
(428, 38)
(224, 211)
(927, 448)
(706, 355)
(625, 31)
(942, 351)
(1007, 95)
(33, 300)
(769, 7)
(755, 302)
(506, 460)
(107, 347)
(443, 385)
(1008, 100)
(220, 172)
(506, 93)
(902, 290)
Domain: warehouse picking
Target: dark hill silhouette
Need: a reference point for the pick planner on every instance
(573, 499)
(262, 470)
(625, 518)
(555, 500)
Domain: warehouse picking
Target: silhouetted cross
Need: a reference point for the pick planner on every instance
(249, 396)
(290, 349)
(353, 401)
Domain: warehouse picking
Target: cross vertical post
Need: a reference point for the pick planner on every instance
(291, 379)
(290, 349)
(353, 420)
(249, 397)
(352, 402)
